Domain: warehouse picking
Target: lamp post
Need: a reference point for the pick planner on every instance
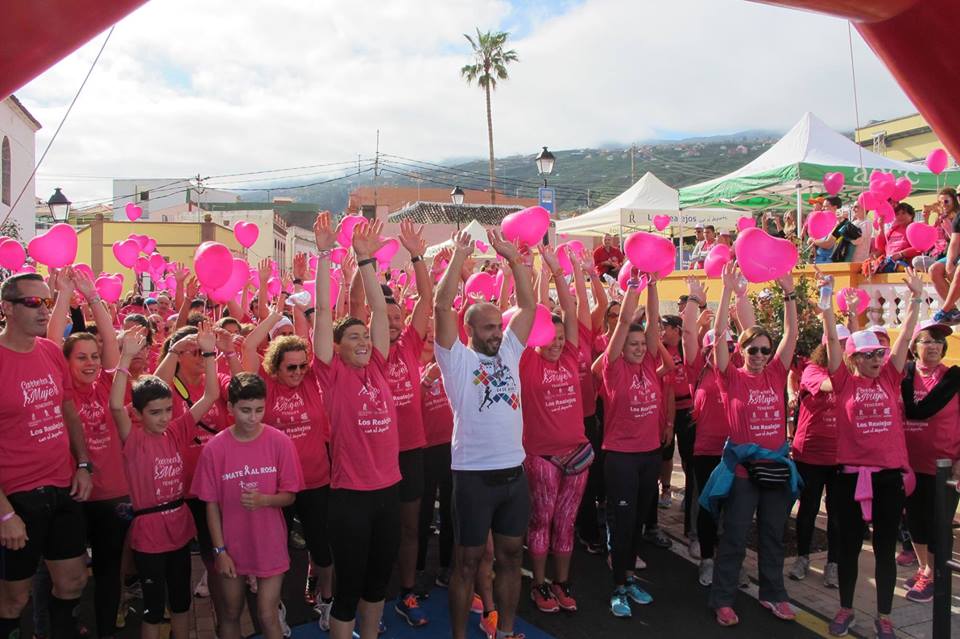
(545, 161)
(59, 205)
(456, 196)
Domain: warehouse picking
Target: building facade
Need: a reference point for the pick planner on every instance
(159, 197)
(380, 202)
(907, 139)
(18, 132)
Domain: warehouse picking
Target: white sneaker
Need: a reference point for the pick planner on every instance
(202, 590)
(706, 572)
(694, 548)
(284, 626)
(831, 575)
(323, 610)
(800, 568)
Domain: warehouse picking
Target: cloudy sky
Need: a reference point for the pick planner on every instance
(225, 86)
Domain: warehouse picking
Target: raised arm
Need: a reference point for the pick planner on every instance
(834, 354)
(522, 322)
(192, 288)
(132, 343)
(788, 343)
(207, 342)
(571, 323)
(180, 277)
(251, 356)
(503, 297)
(412, 240)
(325, 237)
(599, 311)
(584, 315)
(62, 281)
(652, 334)
(446, 329)
(366, 242)
(691, 330)
(628, 306)
(110, 349)
(722, 321)
(898, 354)
(746, 316)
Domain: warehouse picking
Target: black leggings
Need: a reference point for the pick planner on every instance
(816, 478)
(164, 577)
(311, 509)
(922, 510)
(631, 480)
(437, 476)
(888, 499)
(107, 524)
(588, 516)
(365, 537)
(703, 465)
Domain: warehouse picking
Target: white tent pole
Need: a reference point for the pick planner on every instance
(680, 245)
(799, 210)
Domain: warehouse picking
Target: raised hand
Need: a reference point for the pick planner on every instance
(349, 266)
(323, 233)
(549, 256)
(300, 266)
(206, 339)
(264, 271)
(180, 273)
(462, 243)
(132, 341)
(225, 340)
(65, 284)
(913, 282)
(193, 287)
(696, 289)
(412, 239)
(85, 285)
(504, 248)
(366, 239)
(785, 282)
(731, 273)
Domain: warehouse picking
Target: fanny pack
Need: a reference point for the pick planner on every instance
(159, 508)
(574, 462)
(773, 475)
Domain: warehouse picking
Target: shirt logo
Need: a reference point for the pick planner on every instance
(497, 385)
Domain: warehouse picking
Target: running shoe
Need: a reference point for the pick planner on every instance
(922, 590)
(842, 622)
(666, 500)
(884, 628)
(913, 579)
(202, 590)
(726, 616)
(322, 609)
(800, 568)
(950, 318)
(488, 624)
(781, 609)
(408, 607)
(310, 591)
(296, 540)
(561, 592)
(543, 598)
(694, 548)
(907, 558)
(284, 626)
(477, 604)
(620, 604)
(636, 593)
(658, 538)
(706, 572)
(831, 575)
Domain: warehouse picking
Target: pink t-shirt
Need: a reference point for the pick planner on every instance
(102, 438)
(154, 465)
(437, 414)
(633, 409)
(403, 375)
(300, 413)
(228, 467)
(550, 399)
(937, 437)
(364, 443)
(679, 380)
(869, 419)
(34, 444)
(754, 404)
(588, 387)
(216, 420)
(815, 441)
(708, 414)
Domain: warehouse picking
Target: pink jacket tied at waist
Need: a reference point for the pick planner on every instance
(864, 490)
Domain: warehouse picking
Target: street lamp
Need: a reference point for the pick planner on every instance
(545, 161)
(59, 205)
(456, 195)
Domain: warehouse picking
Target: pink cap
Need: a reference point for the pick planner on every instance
(863, 342)
(876, 328)
(842, 333)
(709, 338)
(944, 330)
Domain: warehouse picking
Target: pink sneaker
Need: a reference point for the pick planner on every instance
(476, 606)
(781, 610)
(907, 558)
(727, 617)
(910, 581)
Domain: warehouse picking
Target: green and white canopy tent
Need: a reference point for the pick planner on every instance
(795, 166)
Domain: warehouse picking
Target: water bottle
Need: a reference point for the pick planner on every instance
(826, 293)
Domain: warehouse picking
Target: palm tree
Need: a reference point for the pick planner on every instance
(489, 65)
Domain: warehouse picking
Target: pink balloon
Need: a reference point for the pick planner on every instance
(109, 287)
(236, 281)
(902, 188)
(345, 232)
(402, 279)
(213, 264)
(542, 332)
(623, 277)
(149, 245)
(246, 233)
(170, 283)
(85, 269)
(56, 248)
(498, 284)
(527, 226)
(126, 252)
(921, 236)
(386, 252)
(274, 286)
(883, 186)
(716, 258)
(481, 284)
(157, 262)
(885, 212)
(337, 255)
(576, 246)
(661, 222)
(133, 211)
(867, 201)
(833, 182)
(763, 258)
(821, 223)
(937, 161)
(649, 253)
(745, 223)
(563, 257)
(481, 246)
(141, 265)
(12, 255)
(863, 300)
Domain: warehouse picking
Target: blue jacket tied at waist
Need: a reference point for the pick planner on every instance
(721, 479)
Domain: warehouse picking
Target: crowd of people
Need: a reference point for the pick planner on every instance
(141, 428)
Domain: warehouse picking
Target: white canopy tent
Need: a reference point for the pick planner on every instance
(477, 233)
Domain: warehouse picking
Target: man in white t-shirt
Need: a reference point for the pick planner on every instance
(482, 381)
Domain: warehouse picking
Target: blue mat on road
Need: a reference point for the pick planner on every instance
(437, 611)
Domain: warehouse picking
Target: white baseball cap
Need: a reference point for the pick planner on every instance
(863, 342)
(942, 330)
(842, 333)
(709, 338)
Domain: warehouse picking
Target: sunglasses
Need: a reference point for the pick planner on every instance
(291, 368)
(763, 350)
(33, 301)
(879, 352)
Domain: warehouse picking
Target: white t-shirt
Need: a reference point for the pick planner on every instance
(862, 251)
(484, 394)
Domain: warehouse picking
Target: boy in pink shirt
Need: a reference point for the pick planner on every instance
(162, 525)
(246, 475)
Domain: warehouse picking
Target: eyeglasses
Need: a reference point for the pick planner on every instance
(879, 352)
(292, 368)
(763, 350)
(931, 342)
(33, 301)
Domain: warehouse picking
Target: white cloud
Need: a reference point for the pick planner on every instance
(222, 86)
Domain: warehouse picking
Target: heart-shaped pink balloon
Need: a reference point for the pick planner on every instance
(109, 287)
(345, 231)
(126, 252)
(661, 222)
(12, 255)
(623, 277)
(576, 247)
(498, 283)
(745, 223)
(149, 245)
(542, 332)
(84, 269)
(833, 182)
(885, 212)
(481, 246)
(921, 236)
(883, 185)
(715, 260)
(527, 226)
(157, 262)
(821, 223)
(386, 252)
(763, 258)
(937, 161)
(246, 233)
(867, 201)
(238, 277)
(213, 264)
(274, 286)
(56, 248)
(650, 253)
(133, 211)
(902, 189)
(141, 265)
(863, 300)
(481, 284)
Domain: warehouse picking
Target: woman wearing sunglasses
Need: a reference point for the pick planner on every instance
(872, 453)
(295, 406)
(753, 400)
(711, 428)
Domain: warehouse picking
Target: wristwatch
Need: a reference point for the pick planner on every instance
(85, 465)
(219, 550)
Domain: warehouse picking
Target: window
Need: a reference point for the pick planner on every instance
(369, 211)
(144, 196)
(5, 171)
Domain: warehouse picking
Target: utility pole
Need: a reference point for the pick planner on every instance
(633, 172)
(588, 198)
(376, 172)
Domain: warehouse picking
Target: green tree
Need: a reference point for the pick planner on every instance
(489, 65)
